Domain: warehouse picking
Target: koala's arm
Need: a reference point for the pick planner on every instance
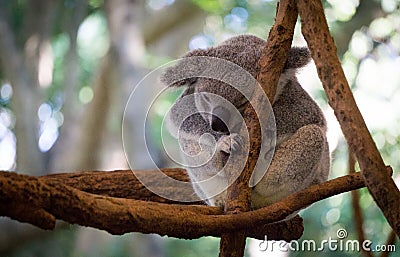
(299, 161)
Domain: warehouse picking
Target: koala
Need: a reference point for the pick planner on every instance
(301, 156)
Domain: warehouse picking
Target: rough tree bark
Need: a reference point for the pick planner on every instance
(271, 64)
(73, 198)
(323, 50)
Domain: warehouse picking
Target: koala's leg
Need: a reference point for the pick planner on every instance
(299, 161)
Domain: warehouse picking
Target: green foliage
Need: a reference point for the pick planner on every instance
(207, 246)
(214, 7)
(96, 3)
(16, 11)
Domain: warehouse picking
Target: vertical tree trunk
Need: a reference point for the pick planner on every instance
(62, 158)
(24, 101)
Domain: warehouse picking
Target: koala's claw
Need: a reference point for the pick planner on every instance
(224, 144)
(230, 143)
(237, 142)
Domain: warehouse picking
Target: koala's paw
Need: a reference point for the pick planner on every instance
(230, 143)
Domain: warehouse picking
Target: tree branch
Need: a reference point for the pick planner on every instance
(323, 50)
(271, 64)
(23, 197)
(121, 183)
(56, 198)
(275, 53)
(355, 201)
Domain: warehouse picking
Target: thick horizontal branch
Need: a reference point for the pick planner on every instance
(20, 194)
(56, 198)
(121, 183)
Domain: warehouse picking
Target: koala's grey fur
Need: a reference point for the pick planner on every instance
(301, 155)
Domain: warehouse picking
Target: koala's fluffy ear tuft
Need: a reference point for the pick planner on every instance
(297, 57)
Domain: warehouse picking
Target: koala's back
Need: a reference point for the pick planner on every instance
(294, 109)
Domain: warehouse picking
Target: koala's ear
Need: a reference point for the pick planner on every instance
(179, 75)
(297, 57)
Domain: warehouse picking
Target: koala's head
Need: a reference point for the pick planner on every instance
(244, 51)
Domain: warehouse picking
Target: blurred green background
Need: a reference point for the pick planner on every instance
(68, 67)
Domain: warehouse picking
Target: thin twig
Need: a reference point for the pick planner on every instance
(355, 200)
